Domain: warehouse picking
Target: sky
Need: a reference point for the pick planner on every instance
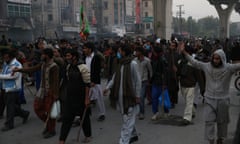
(199, 9)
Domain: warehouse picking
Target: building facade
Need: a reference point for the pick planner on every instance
(3, 17)
(147, 17)
(129, 16)
(56, 18)
(16, 19)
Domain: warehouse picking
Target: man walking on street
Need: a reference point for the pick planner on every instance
(11, 84)
(145, 70)
(48, 91)
(77, 83)
(93, 61)
(218, 76)
(126, 86)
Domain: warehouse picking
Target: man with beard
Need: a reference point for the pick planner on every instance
(218, 76)
(77, 82)
(48, 91)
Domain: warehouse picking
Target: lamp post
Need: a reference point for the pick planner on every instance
(179, 14)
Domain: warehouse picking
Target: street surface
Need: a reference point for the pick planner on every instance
(108, 131)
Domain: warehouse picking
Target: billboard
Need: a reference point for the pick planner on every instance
(20, 1)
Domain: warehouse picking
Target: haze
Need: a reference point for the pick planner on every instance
(199, 9)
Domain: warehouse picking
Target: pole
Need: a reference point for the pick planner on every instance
(179, 13)
(42, 9)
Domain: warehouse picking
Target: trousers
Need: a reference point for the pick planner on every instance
(128, 129)
(96, 93)
(188, 94)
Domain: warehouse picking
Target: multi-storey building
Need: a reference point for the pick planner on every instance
(56, 18)
(3, 17)
(132, 15)
(16, 19)
(147, 17)
(61, 18)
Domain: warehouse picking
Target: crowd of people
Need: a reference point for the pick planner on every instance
(137, 71)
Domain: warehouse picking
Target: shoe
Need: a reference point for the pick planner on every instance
(141, 117)
(25, 118)
(220, 141)
(93, 103)
(59, 119)
(44, 132)
(133, 139)
(101, 118)
(185, 122)
(49, 134)
(195, 106)
(149, 103)
(6, 128)
(76, 123)
(173, 106)
(86, 140)
(193, 116)
(211, 141)
(24, 102)
(155, 116)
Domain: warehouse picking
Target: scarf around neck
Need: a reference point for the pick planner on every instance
(127, 85)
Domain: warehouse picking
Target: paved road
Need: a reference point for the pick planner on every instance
(107, 132)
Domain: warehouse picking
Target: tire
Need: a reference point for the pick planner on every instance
(237, 83)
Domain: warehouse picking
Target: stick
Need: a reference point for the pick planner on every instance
(81, 122)
(45, 127)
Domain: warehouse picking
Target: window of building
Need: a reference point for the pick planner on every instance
(105, 5)
(105, 20)
(18, 10)
(148, 26)
(146, 4)
(50, 17)
(146, 14)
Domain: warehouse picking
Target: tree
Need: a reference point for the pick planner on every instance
(209, 26)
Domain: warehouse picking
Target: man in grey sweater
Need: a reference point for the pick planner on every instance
(218, 76)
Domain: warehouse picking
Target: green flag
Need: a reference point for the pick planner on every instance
(84, 25)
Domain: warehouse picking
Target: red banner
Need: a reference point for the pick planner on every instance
(138, 12)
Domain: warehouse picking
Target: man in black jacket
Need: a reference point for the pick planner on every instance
(93, 60)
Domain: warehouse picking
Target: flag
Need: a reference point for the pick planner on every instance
(84, 25)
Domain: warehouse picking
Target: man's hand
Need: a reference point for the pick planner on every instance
(181, 47)
(138, 100)
(105, 91)
(16, 70)
(92, 84)
(87, 101)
